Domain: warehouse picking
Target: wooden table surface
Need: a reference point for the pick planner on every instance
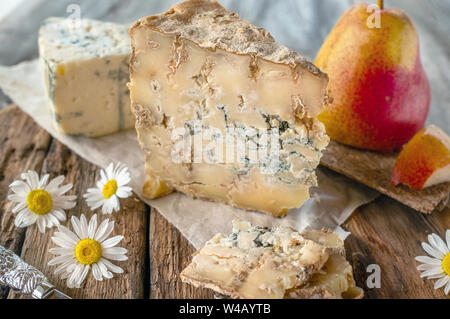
(383, 232)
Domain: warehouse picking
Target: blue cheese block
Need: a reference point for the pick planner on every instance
(86, 67)
(255, 262)
(202, 77)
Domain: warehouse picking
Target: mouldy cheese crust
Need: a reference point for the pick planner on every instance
(199, 63)
(211, 26)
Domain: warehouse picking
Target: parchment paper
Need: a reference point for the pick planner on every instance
(330, 205)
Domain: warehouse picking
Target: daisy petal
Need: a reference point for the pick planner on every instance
(441, 282)
(111, 242)
(17, 198)
(43, 181)
(438, 276)
(19, 207)
(64, 189)
(60, 214)
(101, 229)
(432, 272)
(96, 272)
(76, 225)
(107, 232)
(92, 226)
(74, 279)
(110, 172)
(25, 218)
(115, 251)
(447, 238)
(59, 260)
(123, 192)
(32, 178)
(61, 251)
(109, 205)
(62, 268)
(103, 175)
(20, 188)
(111, 266)
(115, 257)
(105, 272)
(84, 274)
(447, 288)
(41, 223)
(68, 235)
(54, 184)
(96, 204)
(84, 225)
(437, 243)
(433, 252)
(423, 267)
(63, 243)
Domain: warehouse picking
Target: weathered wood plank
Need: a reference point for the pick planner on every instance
(384, 232)
(389, 234)
(130, 222)
(169, 254)
(23, 147)
(374, 169)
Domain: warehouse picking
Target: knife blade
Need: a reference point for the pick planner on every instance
(27, 280)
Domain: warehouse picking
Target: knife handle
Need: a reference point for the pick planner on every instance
(17, 274)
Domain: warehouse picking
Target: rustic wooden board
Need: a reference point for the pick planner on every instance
(169, 254)
(389, 234)
(374, 169)
(17, 157)
(32, 148)
(130, 222)
(384, 232)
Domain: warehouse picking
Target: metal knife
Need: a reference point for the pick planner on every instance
(25, 279)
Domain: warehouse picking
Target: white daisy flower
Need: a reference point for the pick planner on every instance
(111, 186)
(438, 265)
(40, 202)
(88, 247)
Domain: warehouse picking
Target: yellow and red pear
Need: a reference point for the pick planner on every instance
(425, 160)
(380, 89)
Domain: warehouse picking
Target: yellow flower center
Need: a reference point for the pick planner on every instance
(88, 251)
(110, 188)
(446, 264)
(39, 201)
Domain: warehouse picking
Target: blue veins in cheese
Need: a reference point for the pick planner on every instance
(86, 68)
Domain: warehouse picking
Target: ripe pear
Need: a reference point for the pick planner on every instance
(380, 89)
(425, 160)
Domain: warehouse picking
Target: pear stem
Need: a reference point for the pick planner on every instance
(380, 4)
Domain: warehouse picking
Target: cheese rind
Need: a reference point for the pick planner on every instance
(86, 67)
(200, 66)
(258, 262)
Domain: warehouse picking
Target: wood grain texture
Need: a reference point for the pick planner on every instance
(170, 252)
(384, 232)
(130, 222)
(389, 234)
(23, 146)
(374, 169)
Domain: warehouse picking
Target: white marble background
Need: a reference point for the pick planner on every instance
(299, 24)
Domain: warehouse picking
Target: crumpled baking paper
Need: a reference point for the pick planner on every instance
(330, 205)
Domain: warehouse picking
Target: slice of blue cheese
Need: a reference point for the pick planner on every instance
(86, 67)
(201, 65)
(263, 263)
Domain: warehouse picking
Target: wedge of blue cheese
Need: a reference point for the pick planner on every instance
(86, 67)
(256, 262)
(199, 66)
